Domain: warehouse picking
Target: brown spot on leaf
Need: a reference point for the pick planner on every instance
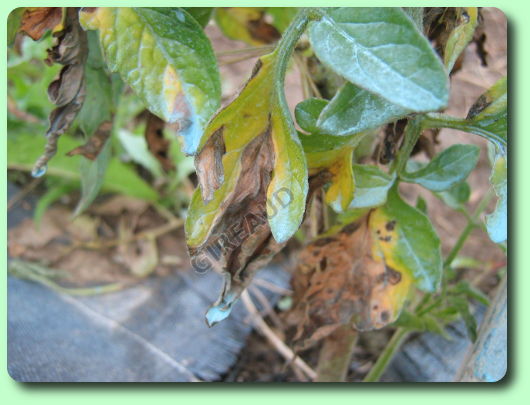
(95, 143)
(390, 225)
(209, 164)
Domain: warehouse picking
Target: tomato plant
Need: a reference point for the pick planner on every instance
(374, 259)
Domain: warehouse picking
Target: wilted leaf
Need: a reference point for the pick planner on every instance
(36, 21)
(490, 111)
(253, 182)
(163, 54)
(497, 221)
(339, 164)
(246, 24)
(462, 34)
(446, 169)
(346, 279)
(371, 186)
(353, 110)
(95, 144)
(408, 241)
(382, 51)
(68, 90)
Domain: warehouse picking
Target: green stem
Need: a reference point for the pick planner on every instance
(387, 355)
(434, 120)
(471, 224)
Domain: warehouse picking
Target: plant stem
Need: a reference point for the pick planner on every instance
(387, 355)
(471, 224)
(335, 355)
(433, 120)
(412, 134)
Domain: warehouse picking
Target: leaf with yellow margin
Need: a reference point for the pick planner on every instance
(339, 163)
(166, 58)
(253, 184)
(246, 24)
(461, 35)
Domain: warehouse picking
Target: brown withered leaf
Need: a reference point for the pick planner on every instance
(156, 143)
(341, 280)
(95, 143)
(37, 20)
(68, 90)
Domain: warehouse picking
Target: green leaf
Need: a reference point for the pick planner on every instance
(421, 204)
(462, 307)
(371, 186)
(92, 174)
(382, 51)
(408, 241)
(136, 147)
(13, 24)
(353, 110)
(497, 221)
(456, 196)
(282, 16)
(24, 148)
(490, 111)
(201, 14)
(461, 35)
(98, 103)
(163, 54)
(410, 321)
(307, 113)
(416, 15)
(446, 169)
(463, 287)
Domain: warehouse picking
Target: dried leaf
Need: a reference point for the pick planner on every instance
(68, 90)
(95, 143)
(37, 20)
(344, 279)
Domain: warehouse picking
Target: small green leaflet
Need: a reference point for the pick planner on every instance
(163, 54)
(446, 169)
(382, 51)
(371, 186)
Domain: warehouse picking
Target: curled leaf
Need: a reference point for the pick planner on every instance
(95, 143)
(36, 21)
(253, 185)
(68, 90)
(458, 39)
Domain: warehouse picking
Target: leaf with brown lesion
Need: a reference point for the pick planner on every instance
(246, 24)
(253, 186)
(93, 146)
(36, 21)
(345, 279)
(68, 91)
